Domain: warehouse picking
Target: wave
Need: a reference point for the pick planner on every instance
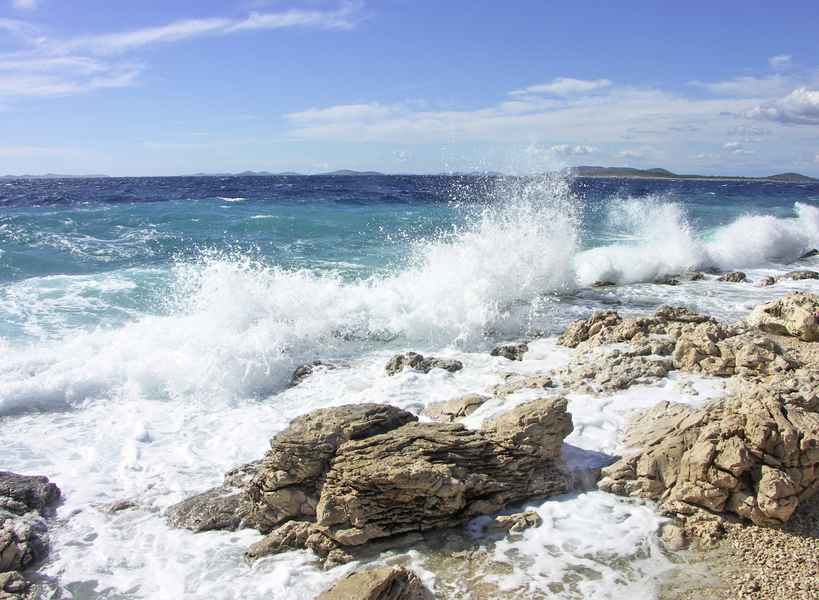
(659, 240)
(239, 326)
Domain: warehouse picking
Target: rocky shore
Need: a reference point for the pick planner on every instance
(739, 474)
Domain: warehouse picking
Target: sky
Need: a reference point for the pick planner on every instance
(170, 87)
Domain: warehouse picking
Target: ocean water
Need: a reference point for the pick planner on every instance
(149, 329)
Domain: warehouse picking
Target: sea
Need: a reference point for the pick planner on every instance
(149, 329)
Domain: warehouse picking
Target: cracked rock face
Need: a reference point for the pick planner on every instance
(755, 454)
(455, 409)
(339, 478)
(796, 315)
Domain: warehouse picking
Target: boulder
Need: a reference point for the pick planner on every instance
(795, 314)
(515, 382)
(418, 362)
(340, 478)
(766, 281)
(12, 586)
(733, 277)
(511, 351)
(515, 523)
(667, 280)
(380, 583)
(455, 409)
(798, 275)
(23, 493)
(755, 454)
(608, 371)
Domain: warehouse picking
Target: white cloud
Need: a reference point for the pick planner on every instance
(24, 4)
(344, 112)
(801, 106)
(816, 158)
(749, 87)
(780, 61)
(564, 86)
(737, 148)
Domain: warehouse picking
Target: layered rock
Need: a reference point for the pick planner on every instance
(418, 362)
(795, 314)
(755, 454)
(380, 583)
(455, 409)
(340, 478)
(24, 502)
(607, 371)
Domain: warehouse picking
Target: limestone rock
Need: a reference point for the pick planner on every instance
(218, 508)
(380, 583)
(733, 277)
(515, 523)
(455, 409)
(511, 351)
(418, 362)
(755, 454)
(804, 274)
(514, 382)
(795, 314)
(607, 371)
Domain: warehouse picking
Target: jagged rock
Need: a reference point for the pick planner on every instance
(416, 361)
(514, 382)
(381, 583)
(795, 314)
(23, 541)
(715, 350)
(766, 281)
(733, 277)
(342, 477)
(755, 454)
(607, 371)
(797, 275)
(511, 351)
(455, 409)
(23, 493)
(218, 508)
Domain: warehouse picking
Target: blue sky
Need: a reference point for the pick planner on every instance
(172, 87)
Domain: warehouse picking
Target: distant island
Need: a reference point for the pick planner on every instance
(581, 171)
(657, 173)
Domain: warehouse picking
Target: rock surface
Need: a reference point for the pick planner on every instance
(380, 583)
(511, 351)
(418, 362)
(733, 277)
(755, 454)
(455, 409)
(339, 478)
(795, 314)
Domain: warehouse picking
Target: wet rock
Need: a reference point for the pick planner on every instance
(380, 583)
(118, 506)
(667, 280)
(455, 409)
(607, 371)
(603, 283)
(511, 351)
(795, 314)
(340, 478)
(217, 508)
(418, 362)
(515, 382)
(733, 277)
(23, 493)
(673, 537)
(766, 281)
(798, 275)
(515, 523)
(694, 276)
(755, 454)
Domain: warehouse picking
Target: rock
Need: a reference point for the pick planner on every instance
(23, 493)
(12, 585)
(667, 280)
(306, 370)
(607, 371)
(673, 537)
(380, 583)
(795, 314)
(797, 275)
(694, 276)
(455, 409)
(733, 277)
(766, 281)
(809, 254)
(416, 361)
(118, 506)
(511, 351)
(217, 508)
(514, 382)
(23, 542)
(601, 284)
(339, 478)
(515, 523)
(755, 454)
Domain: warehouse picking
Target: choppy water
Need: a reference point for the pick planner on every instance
(149, 327)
